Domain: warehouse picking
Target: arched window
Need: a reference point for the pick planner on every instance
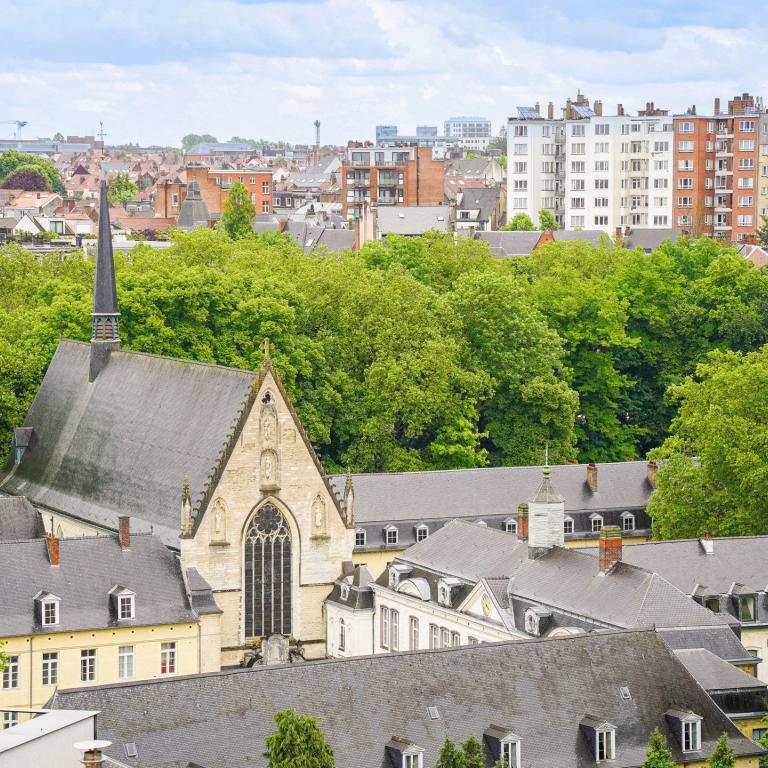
(267, 574)
(342, 636)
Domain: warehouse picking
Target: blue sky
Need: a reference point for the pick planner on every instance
(153, 71)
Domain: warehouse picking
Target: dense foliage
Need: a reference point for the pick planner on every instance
(12, 161)
(26, 177)
(191, 140)
(237, 212)
(419, 353)
(722, 756)
(298, 742)
(121, 189)
(658, 754)
(520, 222)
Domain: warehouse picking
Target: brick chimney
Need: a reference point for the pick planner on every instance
(610, 547)
(522, 521)
(717, 105)
(592, 476)
(52, 543)
(651, 473)
(620, 110)
(550, 111)
(597, 107)
(124, 531)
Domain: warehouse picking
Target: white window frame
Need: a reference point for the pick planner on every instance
(168, 658)
(50, 670)
(88, 665)
(126, 657)
(129, 602)
(510, 526)
(445, 637)
(412, 760)
(360, 537)
(693, 729)
(391, 535)
(627, 522)
(566, 521)
(422, 532)
(413, 633)
(46, 604)
(605, 745)
(10, 719)
(394, 623)
(510, 753)
(11, 673)
(342, 635)
(596, 523)
(434, 636)
(384, 628)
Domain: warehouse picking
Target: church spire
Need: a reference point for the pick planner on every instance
(105, 336)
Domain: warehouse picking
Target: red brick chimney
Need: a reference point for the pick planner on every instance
(522, 521)
(592, 476)
(52, 544)
(124, 531)
(651, 473)
(610, 547)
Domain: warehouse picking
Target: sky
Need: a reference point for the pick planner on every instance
(154, 71)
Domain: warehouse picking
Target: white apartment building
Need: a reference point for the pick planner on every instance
(469, 132)
(592, 171)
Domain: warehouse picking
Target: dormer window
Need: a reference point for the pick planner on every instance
(686, 726)
(360, 537)
(396, 572)
(692, 736)
(713, 603)
(412, 760)
(627, 522)
(390, 535)
(510, 754)
(504, 746)
(747, 608)
(344, 591)
(568, 525)
(123, 603)
(404, 753)
(445, 589)
(510, 525)
(596, 522)
(125, 607)
(605, 748)
(421, 533)
(50, 612)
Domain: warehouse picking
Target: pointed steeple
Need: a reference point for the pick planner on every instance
(106, 335)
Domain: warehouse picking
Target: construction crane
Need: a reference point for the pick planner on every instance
(18, 123)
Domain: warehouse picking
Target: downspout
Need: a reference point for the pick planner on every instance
(199, 646)
(31, 641)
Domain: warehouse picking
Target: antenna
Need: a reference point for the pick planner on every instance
(102, 133)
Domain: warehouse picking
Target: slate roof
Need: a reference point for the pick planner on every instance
(105, 292)
(714, 674)
(649, 239)
(540, 690)
(484, 199)
(89, 568)
(194, 211)
(506, 244)
(739, 559)
(565, 579)
(310, 237)
(413, 219)
(123, 444)
(445, 494)
(721, 641)
(19, 519)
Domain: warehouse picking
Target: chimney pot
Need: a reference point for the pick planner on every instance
(522, 521)
(124, 531)
(550, 111)
(707, 543)
(651, 473)
(610, 547)
(52, 544)
(592, 477)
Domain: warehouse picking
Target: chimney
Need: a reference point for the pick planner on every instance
(592, 476)
(522, 521)
(651, 473)
(717, 105)
(550, 111)
(610, 547)
(546, 515)
(124, 531)
(537, 107)
(597, 108)
(620, 110)
(92, 757)
(53, 548)
(707, 543)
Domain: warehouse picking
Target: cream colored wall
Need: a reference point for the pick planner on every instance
(71, 528)
(757, 638)
(359, 634)
(317, 552)
(376, 562)
(146, 642)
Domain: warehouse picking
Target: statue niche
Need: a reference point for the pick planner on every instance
(319, 518)
(268, 426)
(269, 471)
(219, 522)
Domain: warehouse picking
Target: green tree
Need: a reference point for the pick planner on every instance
(192, 139)
(502, 161)
(298, 742)
(450, 756)
(121, 189)
(3, 656)
(658, 754)
(11, 161)
(474, 755)
(58, 136)
(238, 212)
(722, 755)
(26, 177)
(712, 474)
(520, 221)
(547, 220)
(761, 233)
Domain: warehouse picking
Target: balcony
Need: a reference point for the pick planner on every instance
(389, 200)
(359, 183)
(389, 180)
(393, 163)
(360, 163)
(722, 227)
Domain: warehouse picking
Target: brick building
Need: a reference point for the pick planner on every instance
(716, 170)
(215, 184)
(404, 175)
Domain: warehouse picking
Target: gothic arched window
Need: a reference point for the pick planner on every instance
(267, 574)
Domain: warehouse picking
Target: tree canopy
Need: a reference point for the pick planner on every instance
(193, 139)
(722, 755)
(520, 221)
(297, 742)
(28, 178)
(547, 220)
(238, 212)
(12, 161)
(121, 189)
(658, 754)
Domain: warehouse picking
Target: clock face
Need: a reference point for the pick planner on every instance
(486, 605)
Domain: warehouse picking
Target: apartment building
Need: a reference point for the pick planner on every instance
(592, 171)
(717, 170)
(402, 175)
(215, 184)
(762, 162)
(471, 132)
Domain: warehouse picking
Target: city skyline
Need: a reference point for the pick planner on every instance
(268, 70)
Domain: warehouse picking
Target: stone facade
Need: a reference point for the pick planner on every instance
(273, 464)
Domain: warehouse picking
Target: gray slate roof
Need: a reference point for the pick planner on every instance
(386, 497)
(413, 219)
(506, 244)
(194, 211)
(649, 239)
(105, 292)
(89, 568)
(310, 237)
(721, 641)
(540, 690)
(19, 519)
(714, 674)
(566, 579)
(123, 444)
(484, 199)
